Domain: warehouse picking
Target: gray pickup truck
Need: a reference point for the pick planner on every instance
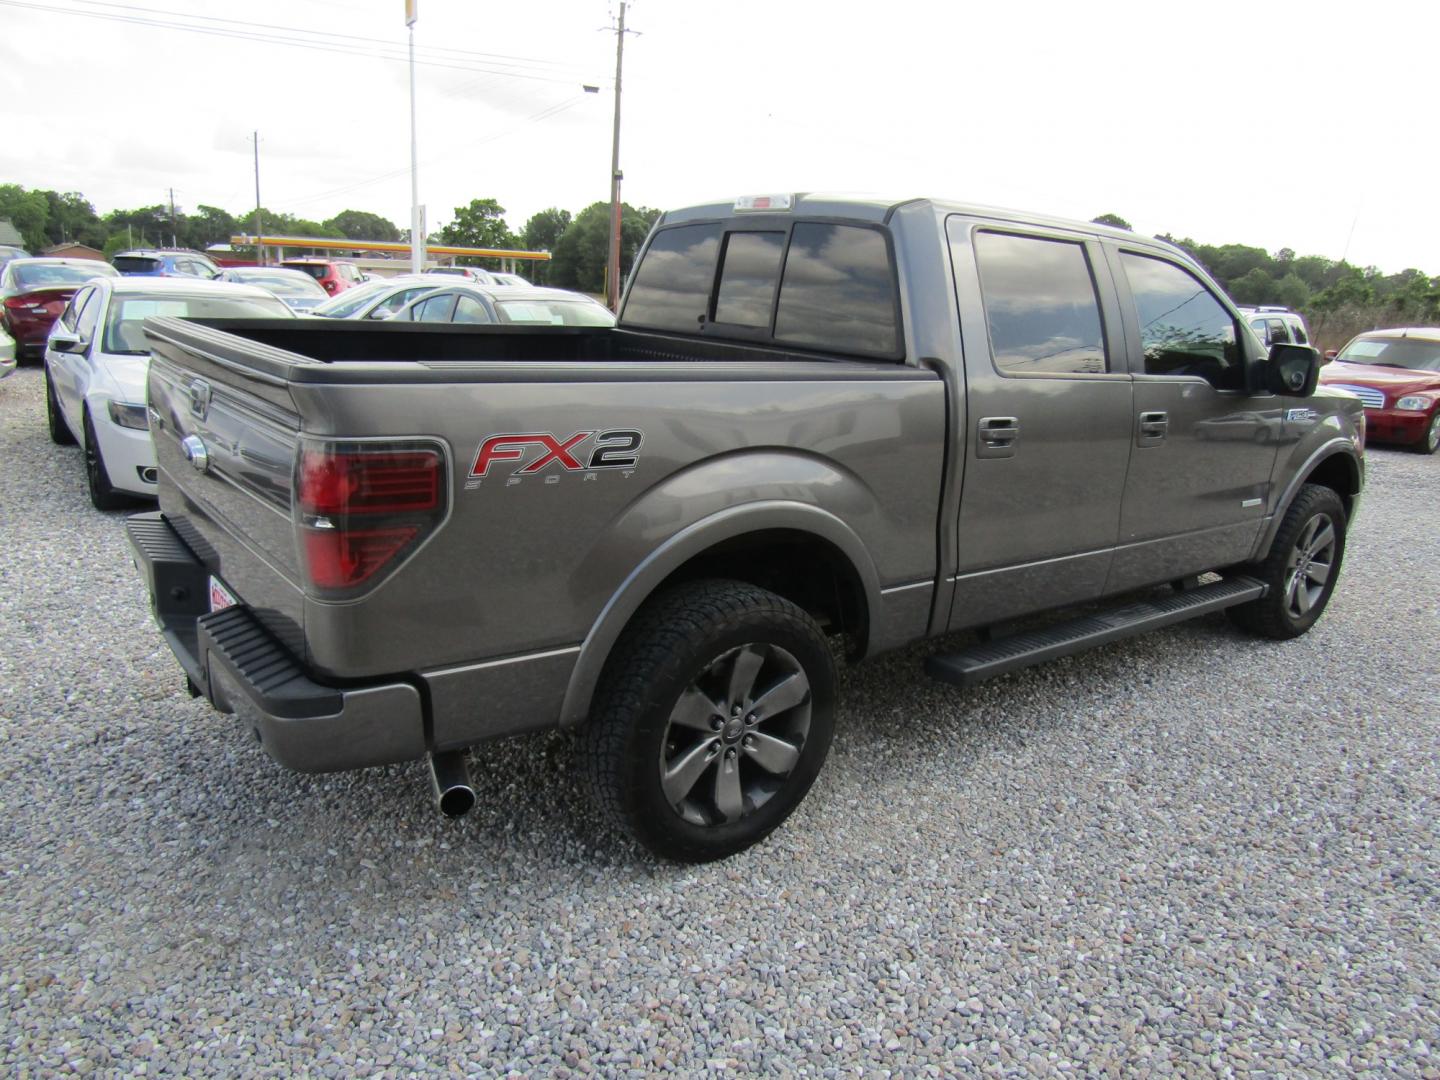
(822, 427)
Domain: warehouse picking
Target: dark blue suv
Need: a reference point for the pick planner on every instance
(165, 262)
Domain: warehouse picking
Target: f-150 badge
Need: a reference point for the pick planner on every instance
(532, 454)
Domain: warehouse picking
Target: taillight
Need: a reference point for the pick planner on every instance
(360, 508)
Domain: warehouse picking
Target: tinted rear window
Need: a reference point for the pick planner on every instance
(42, 274)
(136, 264)
(315, 270)
(838, 291)
(671, 290)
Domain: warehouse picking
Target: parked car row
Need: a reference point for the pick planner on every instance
(86, 319)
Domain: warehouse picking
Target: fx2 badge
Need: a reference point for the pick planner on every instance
(546, 457)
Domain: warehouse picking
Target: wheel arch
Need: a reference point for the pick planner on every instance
(1335, 465)
(797, 550)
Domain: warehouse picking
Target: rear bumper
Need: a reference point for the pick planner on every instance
(239, 666)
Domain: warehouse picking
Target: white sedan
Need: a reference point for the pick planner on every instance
(96, 362)
(7, 354)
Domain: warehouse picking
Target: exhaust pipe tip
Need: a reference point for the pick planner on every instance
(450, 779)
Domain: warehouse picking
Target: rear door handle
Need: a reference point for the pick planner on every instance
(1152, 428)
(996, 436)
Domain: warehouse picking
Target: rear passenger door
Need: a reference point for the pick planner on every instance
(1204, 444)
(1048, 419)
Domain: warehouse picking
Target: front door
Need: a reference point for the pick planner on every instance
(1204, 444)
(1048, 419)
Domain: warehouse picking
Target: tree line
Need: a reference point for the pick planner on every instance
(578, 243)
(1337, 298)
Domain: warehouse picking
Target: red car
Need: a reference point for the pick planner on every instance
(333, 276)
(1396, 373)
(33, 293)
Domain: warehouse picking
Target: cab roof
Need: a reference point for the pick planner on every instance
(878, 209)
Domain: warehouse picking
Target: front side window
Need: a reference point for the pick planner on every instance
(435, 309)
(1184, 329)
(671, 290)
(89, 315)
(748, 277)
(72, 309)
(1041, 305)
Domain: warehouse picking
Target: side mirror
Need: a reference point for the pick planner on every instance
(1292, 370)
(67, 345)
(380, 313)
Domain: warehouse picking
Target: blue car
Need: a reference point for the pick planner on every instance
(165, 262)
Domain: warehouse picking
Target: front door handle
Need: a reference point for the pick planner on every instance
(996, 436)
(1152, 429)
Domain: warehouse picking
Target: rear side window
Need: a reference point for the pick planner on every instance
(1040, 304)
(1184, 329)
(315, 270)
(671, 290)
(838, 291)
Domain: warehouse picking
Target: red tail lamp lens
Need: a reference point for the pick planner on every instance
(374, 483)
(338, 560)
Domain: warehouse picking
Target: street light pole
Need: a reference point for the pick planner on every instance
(417, 226)
(259, 217)
(612, 266)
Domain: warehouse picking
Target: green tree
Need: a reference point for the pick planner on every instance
(209, 225)
(541, 233)
(583, 249)
(1115, 221)
(71, 218)
(481, 224)
(1292, 291)
(363, 225)
(28, 211)
(1254, 287)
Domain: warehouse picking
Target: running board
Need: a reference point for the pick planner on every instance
(990, 658)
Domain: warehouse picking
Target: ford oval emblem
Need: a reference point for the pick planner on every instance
(193, 447)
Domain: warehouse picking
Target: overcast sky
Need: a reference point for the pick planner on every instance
(1309, 125)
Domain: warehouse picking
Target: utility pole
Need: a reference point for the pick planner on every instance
(173, 241)
(417, 215)
(259, 217)
(612, 267)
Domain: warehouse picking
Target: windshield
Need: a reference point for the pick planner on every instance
(123, 333)
(41, 274)
(554, 313)
(1412, 354)
(280, 284)
(347, 303)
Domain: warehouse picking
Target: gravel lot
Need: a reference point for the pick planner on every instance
(1189, 853)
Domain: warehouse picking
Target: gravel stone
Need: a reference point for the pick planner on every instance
(1190, 853)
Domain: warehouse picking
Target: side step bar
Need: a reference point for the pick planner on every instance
(990, 658)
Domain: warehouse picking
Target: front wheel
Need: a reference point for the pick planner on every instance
(1430, 441)
(59, 430)
(712, 720)
(97, 480)
(1300, 569)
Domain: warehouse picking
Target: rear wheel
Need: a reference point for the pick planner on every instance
(712, 721)
(60, 433)
(97, 480)
(1300, 569)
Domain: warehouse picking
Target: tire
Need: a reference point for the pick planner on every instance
(97, 480)
(60, 433)
(1300, 569)
(682, 751)
(1430, 441)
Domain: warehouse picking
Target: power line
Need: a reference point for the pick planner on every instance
(274, 39)
(487, 57)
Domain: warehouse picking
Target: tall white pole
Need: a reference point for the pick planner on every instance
(417, 239)
(612, 262)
